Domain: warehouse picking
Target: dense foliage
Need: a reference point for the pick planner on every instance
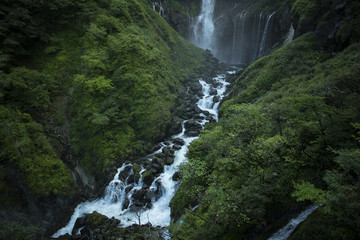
(289, 131)
(85, 84)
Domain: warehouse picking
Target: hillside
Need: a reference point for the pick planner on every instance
(85, 86)
(288, 135)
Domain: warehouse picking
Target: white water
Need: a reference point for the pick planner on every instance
(251, 36)
(158, 7)
(290, 35)
(265, 35)
(203, 27)
(285, 232)
(117, 193)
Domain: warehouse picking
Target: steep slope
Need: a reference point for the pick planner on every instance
(85, 86)
(288, 132)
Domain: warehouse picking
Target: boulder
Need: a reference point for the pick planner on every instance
(148, 177)
(213, 91)
(178, 141)
(176, 147)
(192, 133)
(169, 160)
(195, 87)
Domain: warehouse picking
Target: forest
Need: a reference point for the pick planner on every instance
(88, 85)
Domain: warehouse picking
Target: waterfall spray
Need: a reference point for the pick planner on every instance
(204, 26)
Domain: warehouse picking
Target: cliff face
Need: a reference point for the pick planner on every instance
(241, 31)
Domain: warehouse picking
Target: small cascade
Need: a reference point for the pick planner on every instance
(158, 7)
(285, 232)
(134, 199)
(290, 35)
(203, 28)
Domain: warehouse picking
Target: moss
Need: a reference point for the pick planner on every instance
(261, 76)
(27, 146)
(15, 230)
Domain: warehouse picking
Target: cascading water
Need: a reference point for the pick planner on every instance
(265, 35)
(285, 232)
(120, 199)
(250, 37)
(204, 27)
(158, 7)
(233, 34)
(290, 35)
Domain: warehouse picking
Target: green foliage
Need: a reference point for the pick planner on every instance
(25, 144)
(286, 132)
(130, 75)
(17, 231)
(307, 191)
(27, 89)
(309, 10)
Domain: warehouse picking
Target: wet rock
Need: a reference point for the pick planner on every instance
(168, 152)
(139, 197)
(178, 141)
(216, 99)
(157, 167)
(192, 128)
(156, 148)
(158, 160)
(125, 173)
(169, 161)
(210, 118)
(128, 189)
(130, 179)
(213, 91)
(195, 87)
(148, 177)
(192, 133)
(197, 109)
(126, 203)
(198, 117)
(215, 84)
(176, 147)
(80, 223)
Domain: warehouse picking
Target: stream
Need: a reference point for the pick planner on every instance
(121, 196)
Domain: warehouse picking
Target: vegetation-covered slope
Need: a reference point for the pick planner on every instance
(288, 132)
(85, 84)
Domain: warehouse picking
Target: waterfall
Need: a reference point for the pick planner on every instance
(290, 35)
(258, 26)
(250, 37)
(204, 28)
(263, 44)
(285, 232)
(121, 197)
(158, 7)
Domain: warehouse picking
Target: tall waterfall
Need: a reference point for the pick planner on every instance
(234, 35)
(204, 27)
(251, 37)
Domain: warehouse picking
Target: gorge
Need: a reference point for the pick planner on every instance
(113, 126)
